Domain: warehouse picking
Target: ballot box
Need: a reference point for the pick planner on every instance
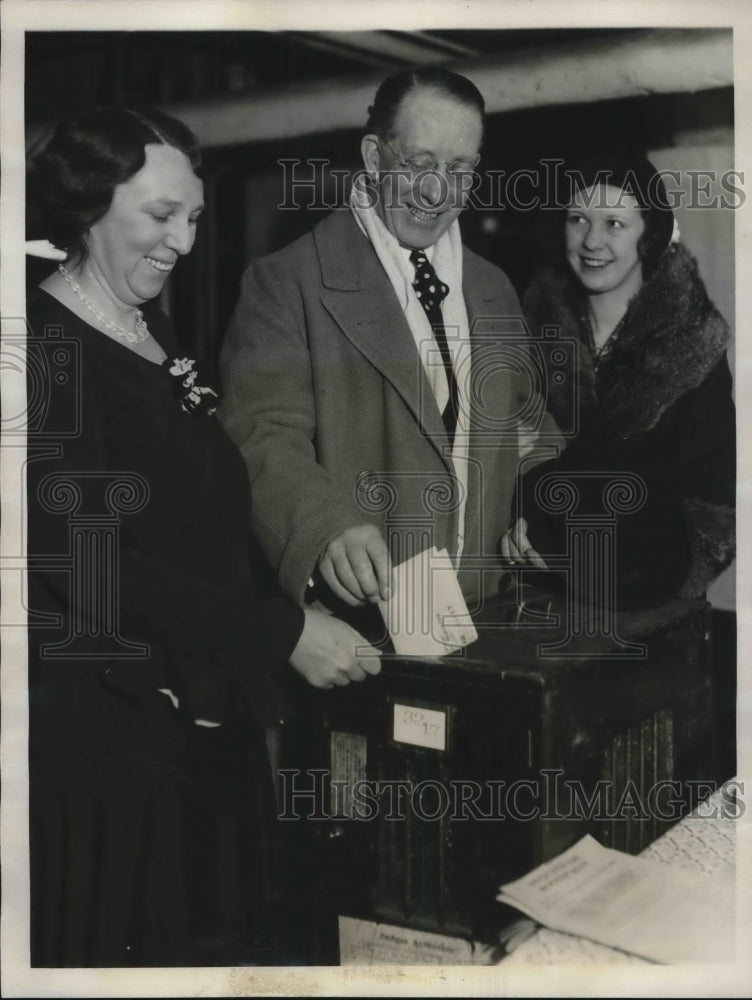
(410, 797)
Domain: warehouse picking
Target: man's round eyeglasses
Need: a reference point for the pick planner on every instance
(418, 163)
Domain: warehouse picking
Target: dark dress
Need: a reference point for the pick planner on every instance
(151, 836)
(658, 406)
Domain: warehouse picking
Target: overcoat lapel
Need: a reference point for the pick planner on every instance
(360, 299)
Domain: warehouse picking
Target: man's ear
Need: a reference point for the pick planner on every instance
(370, 150)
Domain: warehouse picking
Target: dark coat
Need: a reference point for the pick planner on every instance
(658, 405)
(150, 836)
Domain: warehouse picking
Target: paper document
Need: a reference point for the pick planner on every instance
(427, 614)
(364, 942)
(651, 909)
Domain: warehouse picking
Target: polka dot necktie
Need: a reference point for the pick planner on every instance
(431, 292)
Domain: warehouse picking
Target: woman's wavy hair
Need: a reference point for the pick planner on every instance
(72, 177)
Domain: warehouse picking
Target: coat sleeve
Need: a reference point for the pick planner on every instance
(269, 410)
(706, 449)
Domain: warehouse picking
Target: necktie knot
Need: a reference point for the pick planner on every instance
(429, 288)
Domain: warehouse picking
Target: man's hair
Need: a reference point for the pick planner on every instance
(72, 179)
(395, 88)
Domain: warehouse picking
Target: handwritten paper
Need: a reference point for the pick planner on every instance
(427, 614)
(663, 913)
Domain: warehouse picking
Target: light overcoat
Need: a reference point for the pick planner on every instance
(326, 397)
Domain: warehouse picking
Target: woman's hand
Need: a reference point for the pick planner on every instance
(516, 547)
(330, 652)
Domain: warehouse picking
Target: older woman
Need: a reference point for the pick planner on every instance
(650, 394)
(152, 662)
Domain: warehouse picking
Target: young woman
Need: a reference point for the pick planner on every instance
(650, 393)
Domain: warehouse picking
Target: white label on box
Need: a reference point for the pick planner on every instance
(423, 727)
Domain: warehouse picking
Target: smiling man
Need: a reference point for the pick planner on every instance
(365, 377)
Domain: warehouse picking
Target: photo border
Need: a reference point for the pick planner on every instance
(18, 16)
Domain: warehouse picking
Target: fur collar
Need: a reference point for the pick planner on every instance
(668, 342)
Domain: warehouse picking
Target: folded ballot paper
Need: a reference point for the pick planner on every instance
(641, 906)
(426, 614)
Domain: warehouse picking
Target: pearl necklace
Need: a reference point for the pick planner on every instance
(142, 330)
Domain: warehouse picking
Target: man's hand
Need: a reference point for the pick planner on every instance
(356, 565)
(516, 547)
(331, 653)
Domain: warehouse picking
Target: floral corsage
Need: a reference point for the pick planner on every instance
(192, 395)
